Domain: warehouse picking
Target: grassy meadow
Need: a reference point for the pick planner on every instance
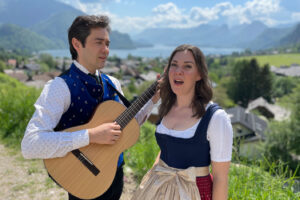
(276, 59)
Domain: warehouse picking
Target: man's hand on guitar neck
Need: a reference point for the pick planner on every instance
(107, 133)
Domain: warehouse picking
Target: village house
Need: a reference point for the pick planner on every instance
(150, 76)
(38, 81)
(34, 68)
(133, 64)
(110, 70)
(293, 70)
(12, 63)
(248, 131)
(270, 111)
(18, 74)
(63, 64)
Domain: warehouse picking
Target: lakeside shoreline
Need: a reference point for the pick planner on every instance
(162, 51)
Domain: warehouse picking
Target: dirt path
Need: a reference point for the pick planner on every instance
(22, 179)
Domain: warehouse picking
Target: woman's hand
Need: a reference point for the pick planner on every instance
(156, 96)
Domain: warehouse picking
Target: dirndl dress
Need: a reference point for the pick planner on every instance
(166, 183)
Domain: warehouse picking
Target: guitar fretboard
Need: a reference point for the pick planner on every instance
(134, 108)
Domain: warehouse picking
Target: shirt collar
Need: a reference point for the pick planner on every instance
(83, 69)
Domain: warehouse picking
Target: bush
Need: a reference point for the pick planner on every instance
(283, 138)
(220, 95)
(141, 156)
(283, 86)
(16, 108)
(2, 66)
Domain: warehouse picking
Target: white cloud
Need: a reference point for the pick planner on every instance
(208, 14)
(169, 8)
(167, 15)
(170, 15)
(262, 7)
(296, 16)
(252, 10)
(86, 7)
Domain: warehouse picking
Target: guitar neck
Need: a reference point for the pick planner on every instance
(134, 108)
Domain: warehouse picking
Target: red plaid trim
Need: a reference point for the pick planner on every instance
(205, 184)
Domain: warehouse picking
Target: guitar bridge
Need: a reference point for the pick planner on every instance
(86, 162)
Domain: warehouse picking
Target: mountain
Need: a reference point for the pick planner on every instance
(254, 36)
(62, 20)
(16, 37)
(157, 35)
(56, 27)
(207, 35)
(120, 41)
(244, 33)
(50, 19)
(204, 35)
(292, 38)
(27, 13)
(268, 38)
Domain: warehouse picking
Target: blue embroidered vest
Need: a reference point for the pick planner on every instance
(182, 153)
(86, 94)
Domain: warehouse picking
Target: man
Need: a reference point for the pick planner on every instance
(70, 100)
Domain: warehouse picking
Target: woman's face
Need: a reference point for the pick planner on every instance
(183, 73)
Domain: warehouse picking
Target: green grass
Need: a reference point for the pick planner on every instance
(16, 108)
(252, 182)
(141, 156)
(276, 60)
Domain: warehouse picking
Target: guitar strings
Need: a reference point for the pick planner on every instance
(129, 113)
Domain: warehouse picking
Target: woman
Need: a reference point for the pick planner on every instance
(193, 134)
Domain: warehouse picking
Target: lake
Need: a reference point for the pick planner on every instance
(150, 52)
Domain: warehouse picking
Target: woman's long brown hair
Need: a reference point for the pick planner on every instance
(203, 89)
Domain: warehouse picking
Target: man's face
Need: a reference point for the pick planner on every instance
(95, 52)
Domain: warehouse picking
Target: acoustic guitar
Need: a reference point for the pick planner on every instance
(89, 171)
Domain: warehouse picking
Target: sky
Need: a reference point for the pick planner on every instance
(133, 16)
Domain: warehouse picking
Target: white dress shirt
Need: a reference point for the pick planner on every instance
(219, 135)
(40, 139)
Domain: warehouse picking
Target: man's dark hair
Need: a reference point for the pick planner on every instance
(81, 29)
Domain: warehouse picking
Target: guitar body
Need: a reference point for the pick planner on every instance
(73, 176)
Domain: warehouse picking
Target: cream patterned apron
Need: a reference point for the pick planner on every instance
(166, 183)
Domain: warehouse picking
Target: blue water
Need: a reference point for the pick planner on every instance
(151, 52)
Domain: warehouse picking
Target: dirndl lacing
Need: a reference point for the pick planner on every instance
(166, 183)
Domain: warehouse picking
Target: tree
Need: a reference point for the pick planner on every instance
(49, 60)
(2, 66)
(265, 82)
(249, 82)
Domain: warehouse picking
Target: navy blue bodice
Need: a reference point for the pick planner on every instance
(182, 153)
